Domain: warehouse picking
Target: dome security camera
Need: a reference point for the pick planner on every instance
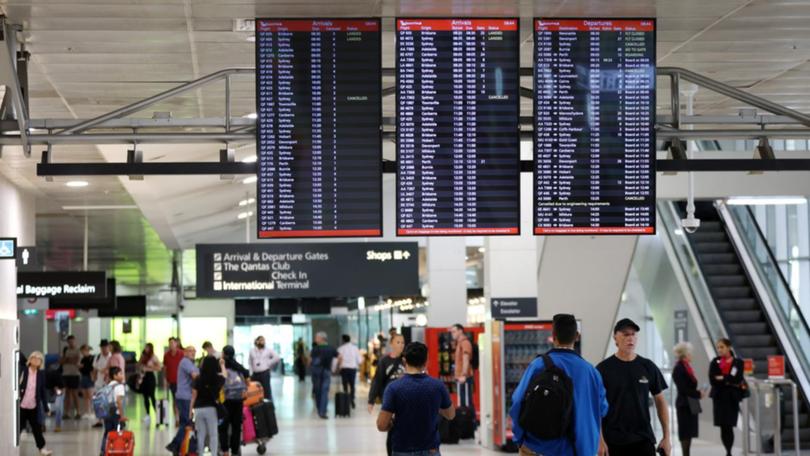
(690, 224)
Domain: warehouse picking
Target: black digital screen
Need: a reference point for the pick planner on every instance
(126, 306)
(594, 118)
(458, 144)
(249, 307)
(319, 132)
(283, 306)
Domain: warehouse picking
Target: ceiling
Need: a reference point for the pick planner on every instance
(89, 57)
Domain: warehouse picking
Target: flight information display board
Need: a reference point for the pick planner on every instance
(594, 119)
(319, 134)
(458, 144)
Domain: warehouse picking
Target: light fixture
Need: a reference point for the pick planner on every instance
(481, 250)
(765, 200)
(250, 180)
(245, 202)
(244, 215)
(250, 159)
(252, 115)
(251, 38)
(77, 184)
(421, 320)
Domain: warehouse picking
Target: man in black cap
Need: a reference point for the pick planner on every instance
(629, 381)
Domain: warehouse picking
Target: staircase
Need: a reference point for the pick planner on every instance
(746, 322)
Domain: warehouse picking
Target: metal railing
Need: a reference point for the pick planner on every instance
(766, 396)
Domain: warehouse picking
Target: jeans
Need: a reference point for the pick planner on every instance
(182, 410)
(321, 378)
(465, 393)
(264, 379)
(347, 379)
(110, 424)
(206, 425)
(417, 453)
(58, 409)
(230, 431)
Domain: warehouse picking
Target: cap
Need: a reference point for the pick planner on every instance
(625, 323)
(104, 343)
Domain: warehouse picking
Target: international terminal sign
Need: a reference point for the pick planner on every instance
(307, 269)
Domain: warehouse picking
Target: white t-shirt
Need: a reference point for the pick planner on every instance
(349, 356)
(100, 366)
(119, 390)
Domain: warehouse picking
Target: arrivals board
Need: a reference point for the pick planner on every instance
(319, 136)
(594, 118)
(458, 145)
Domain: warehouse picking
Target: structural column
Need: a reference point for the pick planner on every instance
(17, 220)
(447, 283)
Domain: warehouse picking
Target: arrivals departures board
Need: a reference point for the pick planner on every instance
(594, 144)
(458, 144)
(319, 135)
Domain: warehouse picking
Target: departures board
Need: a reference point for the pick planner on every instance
(594, 117)
(319, 134)
(458, 145)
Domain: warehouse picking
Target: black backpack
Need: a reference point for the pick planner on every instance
(474, 359)
(547, 410)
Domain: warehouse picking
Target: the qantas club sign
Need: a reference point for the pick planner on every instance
(307, 270)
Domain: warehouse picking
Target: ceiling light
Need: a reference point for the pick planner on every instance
(244, 215)
(481, 250)
(250, 180)
(252, 115)
(245, 202)
(250, 159)
(77, 184)
(766, 200)
(251, 38)
(101, 207)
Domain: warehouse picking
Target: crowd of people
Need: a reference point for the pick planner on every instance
(607, 411)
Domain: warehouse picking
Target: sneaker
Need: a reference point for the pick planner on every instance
(57, 429)
(98, 424)
(45, 452)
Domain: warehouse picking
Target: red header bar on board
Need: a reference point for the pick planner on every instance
(450, 25)
(317, 25)
(596, 230)
(594, 25)
(456, 231)
(319, 233)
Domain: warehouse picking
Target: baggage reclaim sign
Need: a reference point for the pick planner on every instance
(307, 270)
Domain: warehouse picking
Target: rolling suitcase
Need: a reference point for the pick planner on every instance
(162, 412)
(264, 419)
(343, 404)
(120, 443)
(248, 428)
(465, 419)
(188, 447)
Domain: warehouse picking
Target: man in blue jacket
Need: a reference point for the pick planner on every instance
(590, 404)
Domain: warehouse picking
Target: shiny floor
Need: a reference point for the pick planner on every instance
(301, 432)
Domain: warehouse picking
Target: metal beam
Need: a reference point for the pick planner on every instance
(10, 78)
(232, 168)
(129, 138)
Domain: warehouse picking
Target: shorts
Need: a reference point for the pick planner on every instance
(86, 382)
(71, 381)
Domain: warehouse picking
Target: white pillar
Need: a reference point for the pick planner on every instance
(17, 220)
(585, 276)
(447, 284)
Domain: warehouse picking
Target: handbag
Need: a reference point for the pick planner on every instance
(694, 405)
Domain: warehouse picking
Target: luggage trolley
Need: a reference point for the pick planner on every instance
(258, 418)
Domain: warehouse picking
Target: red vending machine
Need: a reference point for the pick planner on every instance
(513, 346)
(441, 354)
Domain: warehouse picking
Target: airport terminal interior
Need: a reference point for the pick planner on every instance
(251, 208)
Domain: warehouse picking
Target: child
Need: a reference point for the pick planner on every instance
(116, 415)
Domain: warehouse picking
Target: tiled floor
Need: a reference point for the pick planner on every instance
(301, 432)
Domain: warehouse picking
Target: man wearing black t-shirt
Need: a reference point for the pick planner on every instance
(629, 381)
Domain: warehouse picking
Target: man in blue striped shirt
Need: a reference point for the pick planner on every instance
(590, 404)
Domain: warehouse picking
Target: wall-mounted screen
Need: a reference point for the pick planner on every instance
(458, 144)
(319, 135)
(594, 119)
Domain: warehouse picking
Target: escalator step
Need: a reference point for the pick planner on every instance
(713, 247)
(804, 420)
(708, 236)
(787, 436)
(710, 225)
(745, 329)
(755, 342)
(731, 292)
(737, 304)
(736, 280)
(717, 258)
(744, 316)
(759, 353)
(721, 269)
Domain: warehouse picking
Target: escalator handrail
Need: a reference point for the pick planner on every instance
(775, 265)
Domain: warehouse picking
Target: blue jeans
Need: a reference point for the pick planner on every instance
(417, 453)
(321, 379)
(58, 409)
(110, 424)
(183, 406)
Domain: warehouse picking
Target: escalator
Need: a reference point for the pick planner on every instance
(741, 309)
